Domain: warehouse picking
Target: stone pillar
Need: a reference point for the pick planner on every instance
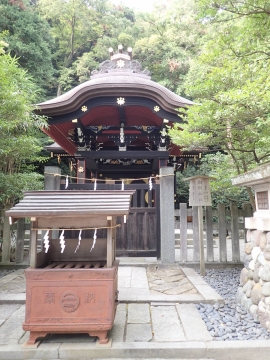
(167, 215)
(52, 182)
(6, 237)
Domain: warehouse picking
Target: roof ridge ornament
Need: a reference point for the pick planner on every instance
(120, 62)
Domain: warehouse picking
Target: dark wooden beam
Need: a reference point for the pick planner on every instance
(123, 154)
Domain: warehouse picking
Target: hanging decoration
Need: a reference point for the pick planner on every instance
(66, 182)
(95, 185)
(123, 185)
(79, 241)
(94, 240)
(46, 241)
(150, 184)
(62, 241)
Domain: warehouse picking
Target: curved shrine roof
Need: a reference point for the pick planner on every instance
(110, 80)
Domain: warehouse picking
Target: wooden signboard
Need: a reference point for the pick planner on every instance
(199, 191)
(200, 195)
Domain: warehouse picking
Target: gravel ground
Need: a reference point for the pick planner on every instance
(230, 321)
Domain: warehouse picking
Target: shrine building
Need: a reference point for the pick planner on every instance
(114, 128)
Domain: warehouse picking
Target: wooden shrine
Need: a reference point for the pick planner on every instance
(114, 128)
(71, 285)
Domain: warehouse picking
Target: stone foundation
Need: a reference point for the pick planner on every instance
(254, 290)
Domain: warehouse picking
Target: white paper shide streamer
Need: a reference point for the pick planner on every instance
(123, 185)
(150, 184)
(79, 241)
(66, 182)
(95, 239)
(62, 241)
(46, 241)
(95, 185)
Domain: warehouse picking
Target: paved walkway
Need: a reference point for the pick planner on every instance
(148, 324)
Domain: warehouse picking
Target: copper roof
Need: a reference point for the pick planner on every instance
(70, 203)
(118, 84)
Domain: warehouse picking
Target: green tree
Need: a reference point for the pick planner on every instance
(75, 25)
(19, 126)
(229, 81)
(29, 41)
(169, 41)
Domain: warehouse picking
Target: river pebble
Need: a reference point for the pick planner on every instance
(229, 321)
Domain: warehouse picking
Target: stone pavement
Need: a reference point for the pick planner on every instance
(149, 323)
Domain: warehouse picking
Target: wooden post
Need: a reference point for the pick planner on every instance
(6, 238)
(209, 234)
(33, 245)
(196, 241)
(109, 242)
(114, 237)
(222, 233)
(235, 233)
(200, 228)
(183, 232)
(20, 241)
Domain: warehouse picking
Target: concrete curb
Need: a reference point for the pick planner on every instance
(228, 350)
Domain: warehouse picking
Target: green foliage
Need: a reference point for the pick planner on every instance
(182, 186)
(217, 166)
(220, 167)
(29, 41)
(13, 185)
(169, 42)
(230, 84)
(19, 128)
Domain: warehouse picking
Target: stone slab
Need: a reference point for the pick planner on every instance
(12, 298)
(162, 315)
(189, 271)
(124, 270)
(118, 331)
(6, 310)
(139, 278)
(11, 331)
(139, 333)
(197, 280)
(19, 352)
(135, 350)
(239, 350)
(138, 314)
(194, 327)
(124, 282)
(208, 293)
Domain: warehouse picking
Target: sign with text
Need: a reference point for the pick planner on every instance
(199, 191)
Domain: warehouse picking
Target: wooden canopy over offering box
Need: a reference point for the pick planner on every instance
(71, 285)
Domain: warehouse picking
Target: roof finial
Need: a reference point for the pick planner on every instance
(130, 52)
(120, 49)
(111, 51)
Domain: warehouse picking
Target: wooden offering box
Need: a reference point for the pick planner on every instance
(71, 285)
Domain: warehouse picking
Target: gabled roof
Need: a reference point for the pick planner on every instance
(70, 203)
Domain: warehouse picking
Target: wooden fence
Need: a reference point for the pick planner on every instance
(220, 225)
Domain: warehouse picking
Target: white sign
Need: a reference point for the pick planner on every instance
(199, 191)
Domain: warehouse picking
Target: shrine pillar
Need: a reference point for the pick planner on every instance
(167, 215)
(81, 171)
(52, 178)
